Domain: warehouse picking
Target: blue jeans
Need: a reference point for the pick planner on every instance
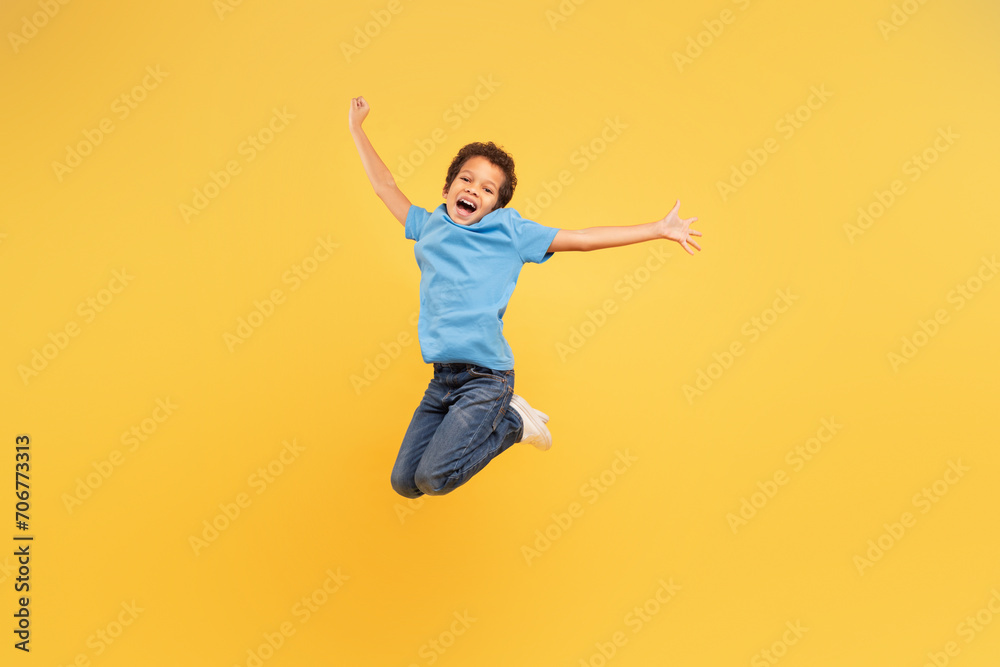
(462, 423)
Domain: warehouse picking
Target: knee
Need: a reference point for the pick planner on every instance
(405, 487)
(432, 485)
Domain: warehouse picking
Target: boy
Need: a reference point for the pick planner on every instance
(470, 250)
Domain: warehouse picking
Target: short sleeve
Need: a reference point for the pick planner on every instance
(531, 238)
(415, 219)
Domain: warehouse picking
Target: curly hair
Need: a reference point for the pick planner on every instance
(498, 157)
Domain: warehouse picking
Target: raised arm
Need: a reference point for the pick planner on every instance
(671, 227)
(379, 175)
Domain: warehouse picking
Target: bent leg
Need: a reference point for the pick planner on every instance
(478, 427)
(424, 423)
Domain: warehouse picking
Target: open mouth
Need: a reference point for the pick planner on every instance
(465, 206)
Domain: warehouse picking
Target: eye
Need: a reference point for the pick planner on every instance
(488, 190)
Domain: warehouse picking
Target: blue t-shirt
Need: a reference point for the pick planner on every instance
(467, 275)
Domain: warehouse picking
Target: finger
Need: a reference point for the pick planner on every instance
(685, 246)
(694, 232)
(695, 244)
(677, 205)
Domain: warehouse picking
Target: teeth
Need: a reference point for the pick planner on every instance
(463, 199)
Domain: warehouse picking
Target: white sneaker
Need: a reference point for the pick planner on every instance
(535, 431)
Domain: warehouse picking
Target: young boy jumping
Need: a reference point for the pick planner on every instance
(470, 250)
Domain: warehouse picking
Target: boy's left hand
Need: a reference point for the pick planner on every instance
(676, 229)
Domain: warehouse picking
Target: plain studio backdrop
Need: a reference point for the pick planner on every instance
(782, 448)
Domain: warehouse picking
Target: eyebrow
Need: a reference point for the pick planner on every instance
(467, 171)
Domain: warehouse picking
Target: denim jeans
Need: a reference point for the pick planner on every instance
(462, 423)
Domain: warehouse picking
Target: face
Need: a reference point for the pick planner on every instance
(478, 183)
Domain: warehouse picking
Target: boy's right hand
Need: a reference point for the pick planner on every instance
(358, 113)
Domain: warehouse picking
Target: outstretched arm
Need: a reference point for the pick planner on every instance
(379, 175)
(670, 227)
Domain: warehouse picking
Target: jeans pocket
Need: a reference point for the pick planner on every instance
(484, 372)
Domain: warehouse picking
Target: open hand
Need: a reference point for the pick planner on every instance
(358, 113)
(677, 229)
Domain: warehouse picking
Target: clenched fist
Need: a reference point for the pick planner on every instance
(358, 113)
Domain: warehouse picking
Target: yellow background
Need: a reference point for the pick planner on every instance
(413, 568)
